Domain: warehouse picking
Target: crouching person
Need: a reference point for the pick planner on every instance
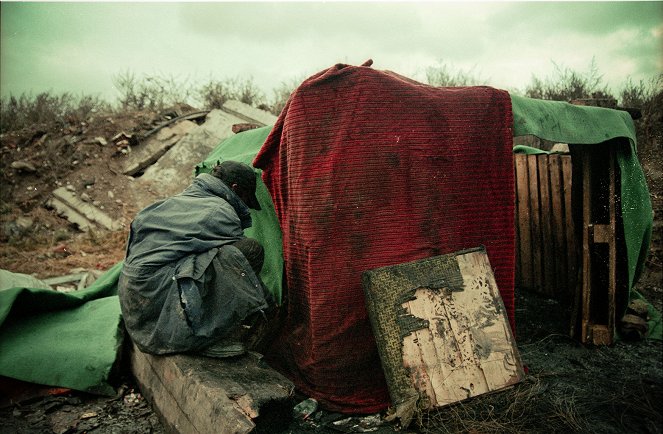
(190, 277)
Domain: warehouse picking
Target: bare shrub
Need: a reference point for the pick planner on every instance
(150, 92)
(648, 97)
(567, 84)
(445, 76)
(282, 94)
(215, 93)
(45, 108)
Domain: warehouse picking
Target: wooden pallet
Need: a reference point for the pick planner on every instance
(598, 296)
(545, 239)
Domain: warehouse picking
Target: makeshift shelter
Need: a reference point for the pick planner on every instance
(363, 169)
(367, 169)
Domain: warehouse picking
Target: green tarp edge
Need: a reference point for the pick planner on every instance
(243, 147)
(581, 125)
(62, 339)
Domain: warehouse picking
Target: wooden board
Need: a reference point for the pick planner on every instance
(558, 229)
(442, 329)
(547, 247)
(545, 234)
(571, 242)
(195, 394)
(524, 245)
(535, 223)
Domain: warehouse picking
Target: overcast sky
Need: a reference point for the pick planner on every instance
(80, 47)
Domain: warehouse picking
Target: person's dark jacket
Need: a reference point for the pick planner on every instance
(183, 285)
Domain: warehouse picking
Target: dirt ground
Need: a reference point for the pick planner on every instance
(569, 387)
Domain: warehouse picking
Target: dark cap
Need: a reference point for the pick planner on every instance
(234, 172)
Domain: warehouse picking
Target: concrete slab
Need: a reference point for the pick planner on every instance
(196, 394)
(248, 113)
(86, 216)
(173, 172)
(156, 146)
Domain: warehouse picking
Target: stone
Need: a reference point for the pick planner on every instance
(23, 166)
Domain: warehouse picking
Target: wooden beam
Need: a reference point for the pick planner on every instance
(197, 395)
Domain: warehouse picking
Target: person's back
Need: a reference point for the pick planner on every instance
(190, 275)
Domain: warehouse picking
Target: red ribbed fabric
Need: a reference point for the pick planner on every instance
(369, 169)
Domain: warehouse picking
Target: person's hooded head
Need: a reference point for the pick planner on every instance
(241, 179)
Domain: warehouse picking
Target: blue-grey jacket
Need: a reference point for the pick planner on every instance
(183, 285)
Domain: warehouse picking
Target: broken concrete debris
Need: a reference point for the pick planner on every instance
(172, 171)
(78, 279)
(85, 215)
(154, 148)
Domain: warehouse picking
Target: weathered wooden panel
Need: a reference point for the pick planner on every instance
(544, 225)
(442, 330)
(547, 247)
(571, 242)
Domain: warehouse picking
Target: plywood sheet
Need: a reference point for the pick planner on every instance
(442, 330)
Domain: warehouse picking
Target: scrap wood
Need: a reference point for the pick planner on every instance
(442, 331)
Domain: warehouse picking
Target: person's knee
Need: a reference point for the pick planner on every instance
(252, 251)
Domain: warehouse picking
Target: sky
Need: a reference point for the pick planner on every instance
(82, 47)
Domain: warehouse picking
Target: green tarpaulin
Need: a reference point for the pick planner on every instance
(62, 339)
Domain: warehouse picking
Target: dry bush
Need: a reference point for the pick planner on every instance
(150, 92)
(443, 75)
(648, 97)
(282, 94)
(567, 84)
(215, 93)
(47, 109)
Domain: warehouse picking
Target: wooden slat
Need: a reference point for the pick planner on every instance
(535, 223)
(547, 247)
(523, 223)
(518, 275)
(586, 252)
(558, 226)
(612, 240)
(571, 268)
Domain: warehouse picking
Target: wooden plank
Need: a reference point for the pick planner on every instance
(586, 252)
(558, 226)
(612, 254)
(535, 223)
(518, 278)
(195, 394)
(547, 247)
(569, 225)
(602, 234)
(523, 222)
(467, 349)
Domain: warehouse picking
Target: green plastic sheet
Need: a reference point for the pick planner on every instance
(62, 339)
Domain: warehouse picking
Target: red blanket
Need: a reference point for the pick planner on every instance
(367, 169)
